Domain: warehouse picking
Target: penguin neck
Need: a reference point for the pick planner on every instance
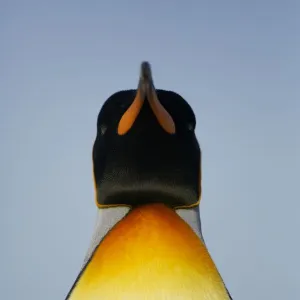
(153, 250)
(107, 218)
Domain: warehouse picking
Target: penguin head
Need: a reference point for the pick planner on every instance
(146, 149)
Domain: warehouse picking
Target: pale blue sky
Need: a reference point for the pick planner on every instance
(238, 65)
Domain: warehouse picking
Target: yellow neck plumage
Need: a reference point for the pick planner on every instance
(153, 254)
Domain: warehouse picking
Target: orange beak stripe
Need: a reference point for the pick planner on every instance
(146, 89)
(163, 117)
(131, 114)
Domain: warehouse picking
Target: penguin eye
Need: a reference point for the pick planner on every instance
(190, 126)
(103, 128)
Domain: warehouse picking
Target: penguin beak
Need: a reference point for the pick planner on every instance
(146, 90)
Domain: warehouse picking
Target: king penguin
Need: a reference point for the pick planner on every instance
(147, 243)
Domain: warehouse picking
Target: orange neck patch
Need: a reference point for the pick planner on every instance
(151, 254)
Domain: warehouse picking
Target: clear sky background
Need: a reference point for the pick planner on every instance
(236, 62)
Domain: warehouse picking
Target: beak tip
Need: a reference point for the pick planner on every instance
(145, 73)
